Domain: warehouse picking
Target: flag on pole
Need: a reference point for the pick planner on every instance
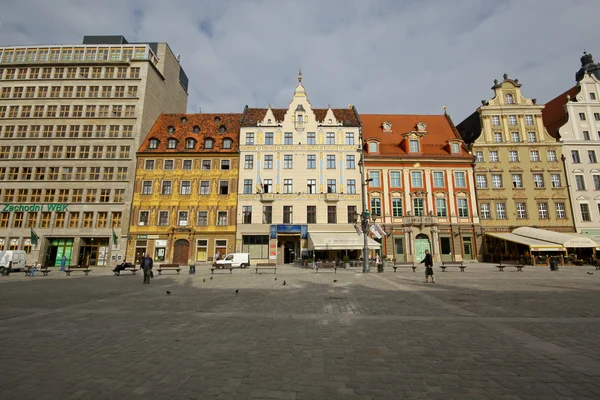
(379, 230)
(262, 186)
(34, 237)
(115, 237)
(374, 232)
(357, 229)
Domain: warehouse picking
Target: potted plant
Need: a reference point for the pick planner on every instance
(346, 260)
(310, 262)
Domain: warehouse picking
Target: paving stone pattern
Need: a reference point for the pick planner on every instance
(480, 334)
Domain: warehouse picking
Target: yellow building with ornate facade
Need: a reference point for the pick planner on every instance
(185, 195)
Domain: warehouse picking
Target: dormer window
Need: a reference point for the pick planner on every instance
(299, 117)
(190, 143)
(227, 143)
(222, 129)
(455, 148)
(217, 120)
(209, 144)
(171, 129)
(329, 121)
(373, 147)
(183, 120)
(269, 121)
(171, 143)
(414, 146)
(509, 99)
(196, 129)
(153, 144)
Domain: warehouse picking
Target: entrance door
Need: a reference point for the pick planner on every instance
(467, 248)
(139, 253)
(421, 244)
(181, 252)
(289, 254)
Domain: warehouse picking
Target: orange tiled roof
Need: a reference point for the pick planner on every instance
(210, 126)
(253, 115)
(554, 114)
(440, 129)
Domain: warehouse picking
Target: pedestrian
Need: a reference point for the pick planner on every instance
(146, 265)
(428, 261)
(217, 256)
(35, 267)
(63, 262)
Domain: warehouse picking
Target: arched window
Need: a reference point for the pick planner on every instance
(153, 144)
(227, 143)
(190, 143)
(509, 98)
(183, 120)
(209, 143)
(217, 120)
(222, 129)
(171, 129)
(196, 129)
(373, 147)
(172, 143)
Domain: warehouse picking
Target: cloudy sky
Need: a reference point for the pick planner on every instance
(384, 56)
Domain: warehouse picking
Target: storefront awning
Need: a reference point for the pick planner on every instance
(534, 244)
(339, 241)
(566, 240)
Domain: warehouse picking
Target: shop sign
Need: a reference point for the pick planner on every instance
(142, 237)
(160, 243)
(35, 207)
(153, 236)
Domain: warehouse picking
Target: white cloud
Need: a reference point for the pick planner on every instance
(383, 56)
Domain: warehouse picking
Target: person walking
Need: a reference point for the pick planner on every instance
(428, 261)
(63, 263)
(146, 264)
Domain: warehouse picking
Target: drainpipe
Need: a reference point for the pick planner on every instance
(564, 160)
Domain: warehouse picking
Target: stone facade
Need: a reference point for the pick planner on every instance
(72, 117)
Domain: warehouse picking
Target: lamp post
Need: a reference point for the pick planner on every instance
(365, 212)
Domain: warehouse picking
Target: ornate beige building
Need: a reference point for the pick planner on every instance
(518, 169)
(71, 120)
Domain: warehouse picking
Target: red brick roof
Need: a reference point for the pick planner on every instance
(554, 114)
(440, 129)
(254, 115)
(215, 126)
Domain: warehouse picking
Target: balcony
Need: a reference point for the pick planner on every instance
(421, 220)
(267, 197)
(332, 197)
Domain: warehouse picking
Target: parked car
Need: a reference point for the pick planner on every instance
(234, 260)
(13, 260)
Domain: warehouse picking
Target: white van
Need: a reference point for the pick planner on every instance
(234, 260)
(13, 259)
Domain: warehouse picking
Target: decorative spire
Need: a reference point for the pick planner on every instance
(299, 92)
(586, 59)
(299, 75)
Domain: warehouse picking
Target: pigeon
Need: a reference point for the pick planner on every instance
(335, 280)
(203, 279)
(236, 291)
(284, 283)
(275, 278)
(168, 292)
(590, 273)
(211, 278)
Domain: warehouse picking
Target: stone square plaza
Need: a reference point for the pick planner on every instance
(297, 334)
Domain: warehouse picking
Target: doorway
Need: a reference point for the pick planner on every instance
(421, 244)
(467, 248)
(289, 252)
(56, 249)
(181, 252)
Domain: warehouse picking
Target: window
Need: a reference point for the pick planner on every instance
(311, 186)
(226, 143)
(497, 137)
(223, 187)
(96, 151)
(269, 138)
(585, 212)
(551, 155)
(350, 162)
(169, 164)
(147, 187)
(288, 186)
(534, 155)
(463, 208)
(250, 138)
(94, 173)
(351, 214)
(288, 161)
(163, 218)
(395, 179)
(288, 138)
(484, 211)
(459, 179)
(225, 164)
(509, 99)
(538, 180)
(246, 214)
(597, 116)
(311, 214)
(73, 219)
(512, 120)
(204, 187)
(513, 156)
(500, 211)
(521, 211)
(416, 179)
(351, 186)
(90, 196)
(331, 186)
(560, 211)
(517, 180)
(497, 181)
(205, 164)
(555, 180)
(248, 161)
(287, 214)
(45, 221)
(596, 182)
(494, 156)
(397, 207)
(149, 165)
(330, 162)
(455, 147)
(374, 147)
(495, 120)
(349, 138)
(481, 181)
(592, 157)
(124, 151)
(331, 214)
(376, 206)
(582, 116)
(311, 138)
(592, 96)
(419, 206)
(311, 161)
(247, 186)
(118, 196)
(189, 143)
(268, 162)
(186, 187)
(543, 210)
(267, 186)
(579, 182)
(414, 146)
(532, 137)
(374, 177)
(209, 143)
(479, 156)
(440, 207)
(529, 120)
(330, 138)
(183, 218)
(202, 218)
(586, 135)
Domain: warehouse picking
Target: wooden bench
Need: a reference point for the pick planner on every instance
(597, 267)
(169, 267)
(519, 267)
(261, 266)
(327, 265)
(222, 268)
(129, 268)
(457, 264)
(43, 270)
(404, 264)
(77, 269)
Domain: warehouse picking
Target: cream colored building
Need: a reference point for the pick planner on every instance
(71, 120)
(518, 169)
(299, 182)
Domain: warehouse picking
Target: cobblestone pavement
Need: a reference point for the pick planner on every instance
(481, 334)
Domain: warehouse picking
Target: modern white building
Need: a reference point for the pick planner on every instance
(574, 119)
